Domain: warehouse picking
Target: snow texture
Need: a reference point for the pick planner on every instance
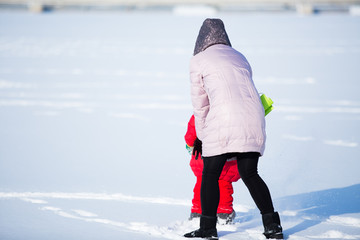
(94, 107)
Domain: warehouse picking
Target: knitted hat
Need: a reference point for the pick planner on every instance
(211, 32)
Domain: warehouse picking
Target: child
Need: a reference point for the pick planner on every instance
(225, 211)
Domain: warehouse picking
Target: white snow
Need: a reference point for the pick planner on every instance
(341, 143)
(94, 107)
(345, 221)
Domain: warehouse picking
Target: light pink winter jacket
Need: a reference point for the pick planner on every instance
(228, 113)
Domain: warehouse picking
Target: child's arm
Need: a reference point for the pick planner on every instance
(190, 135)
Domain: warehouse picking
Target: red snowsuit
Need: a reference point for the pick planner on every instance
(229, 174)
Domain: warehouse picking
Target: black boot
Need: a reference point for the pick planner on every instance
(272, 226)
(207, 229)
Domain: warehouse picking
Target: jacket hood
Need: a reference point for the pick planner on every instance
(211, 32)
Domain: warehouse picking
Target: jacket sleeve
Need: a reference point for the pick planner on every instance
(199, 98)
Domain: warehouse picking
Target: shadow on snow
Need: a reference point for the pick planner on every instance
(320, 205)
(313, 208)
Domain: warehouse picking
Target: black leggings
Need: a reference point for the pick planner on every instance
(247, 166)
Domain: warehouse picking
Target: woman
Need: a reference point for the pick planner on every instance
(230, 122)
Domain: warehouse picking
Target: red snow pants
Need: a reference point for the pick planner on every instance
(229, 174)
(226, 199)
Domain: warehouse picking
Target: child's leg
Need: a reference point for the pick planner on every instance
(226, 199)
(196, 202)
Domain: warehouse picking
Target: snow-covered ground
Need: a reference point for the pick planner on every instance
(94, 107)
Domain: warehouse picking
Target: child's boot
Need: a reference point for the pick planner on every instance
(272, 226)
(226, 218)
(194, 215)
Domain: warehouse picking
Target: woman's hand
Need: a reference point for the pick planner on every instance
(197, 148)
